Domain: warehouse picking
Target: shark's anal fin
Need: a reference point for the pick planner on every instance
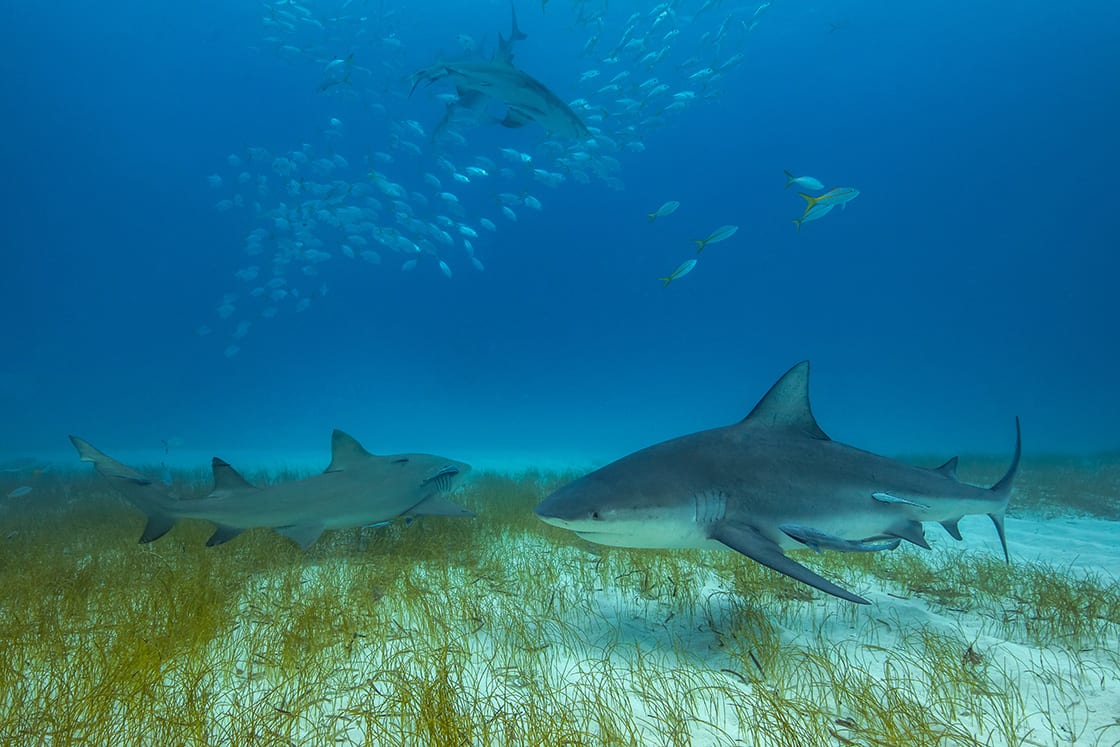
(952, 528)
(303, 535)
(223, 534)
(747, 540)
(818, 540)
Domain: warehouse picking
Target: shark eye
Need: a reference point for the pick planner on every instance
(400, 461)
(595, 515)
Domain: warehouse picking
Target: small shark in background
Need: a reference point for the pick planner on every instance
(526, 99)
(357, 489)
(771, 483)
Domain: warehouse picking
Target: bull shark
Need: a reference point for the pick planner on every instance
(357, 489)
(526, 99)
(770, 483)
(474, 101)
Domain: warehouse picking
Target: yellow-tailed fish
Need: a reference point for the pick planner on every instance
(814, 213)
(835, 196)
(684, 268)
(721, 233)
(667, 208)
(805, 182)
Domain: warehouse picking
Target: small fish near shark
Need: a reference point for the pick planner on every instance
(357, 489)
(771, 483)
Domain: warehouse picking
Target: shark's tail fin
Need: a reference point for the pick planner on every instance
(515, 34)
(138, 488)
(1002, 490)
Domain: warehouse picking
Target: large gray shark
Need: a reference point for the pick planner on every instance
(771, 483)
(357, 489)
(526, 98)
(472, 102)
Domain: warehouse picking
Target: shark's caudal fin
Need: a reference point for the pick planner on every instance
(1002, 490)
(137, 487)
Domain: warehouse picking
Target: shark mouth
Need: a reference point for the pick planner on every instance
(443, 479)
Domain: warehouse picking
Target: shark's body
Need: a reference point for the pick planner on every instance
(526, 98)
(357, 489)
(473, 103)
(771, 483)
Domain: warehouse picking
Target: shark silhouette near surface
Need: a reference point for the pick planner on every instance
(771, 483)
(357, 489)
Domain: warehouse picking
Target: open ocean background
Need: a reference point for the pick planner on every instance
(974, 279)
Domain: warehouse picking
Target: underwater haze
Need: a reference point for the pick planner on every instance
(183, 184)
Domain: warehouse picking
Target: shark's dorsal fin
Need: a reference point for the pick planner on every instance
(786, 405)
(227, 479)
(345, 452)
(949, 469)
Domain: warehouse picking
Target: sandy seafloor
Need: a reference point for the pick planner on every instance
(678, 667)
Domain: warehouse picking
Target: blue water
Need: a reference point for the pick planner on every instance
(971, 281)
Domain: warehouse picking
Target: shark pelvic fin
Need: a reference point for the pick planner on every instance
(747, 540)
(345, 452)
(786, 405)
(227, 479)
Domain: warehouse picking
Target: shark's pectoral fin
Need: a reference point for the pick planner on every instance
(911, 531)
(747, 540)
(438, 506)
(818, 540)
(303, 535)
(223, 534)
(158, 525)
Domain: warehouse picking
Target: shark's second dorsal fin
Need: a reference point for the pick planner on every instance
(786, 405)
(345, 451)
(949, 469)
(227, 479)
